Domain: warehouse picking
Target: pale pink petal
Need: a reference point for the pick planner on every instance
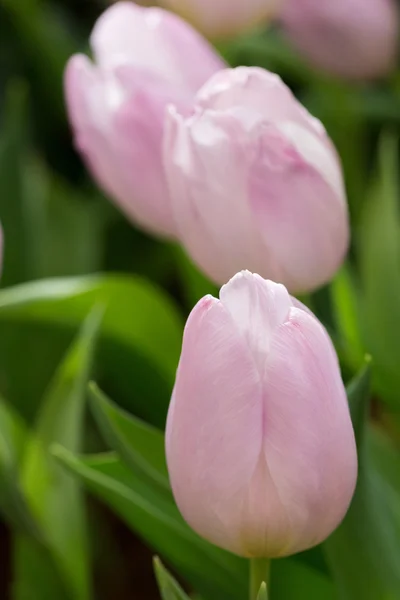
(260, 445)
(298, 212)
(119, 130)
(309, 440)
(214, 428)
(196, 59)
(260, 91)
(155, 40)
(350, 38)
(258, 307)
(206, 163)
(87, 106)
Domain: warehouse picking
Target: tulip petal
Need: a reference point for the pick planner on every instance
(350, 38)
(309, 440)
(87, 106)
(257, 307)
(206, 162)
(260, 91)
(128, 33)
(214, 429)
(155, 40)
(297, 211)
(122, 148)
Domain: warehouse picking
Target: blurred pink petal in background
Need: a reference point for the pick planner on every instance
(144, 58)
(256, 183)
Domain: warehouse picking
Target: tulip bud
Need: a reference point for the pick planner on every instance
(255, 183)
(224, 18)
(354, 39)
(260, 446)
(145, 58)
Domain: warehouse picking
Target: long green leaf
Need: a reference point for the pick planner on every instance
(379, 253)
(213, 572)
(141, 445)
(13, 505)
(263, 593)
(364, 552)
(346, 308)
(139, 342)
(169, 588)
(53, 494)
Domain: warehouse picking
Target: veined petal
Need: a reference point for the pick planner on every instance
(309, 440)
(214, 429)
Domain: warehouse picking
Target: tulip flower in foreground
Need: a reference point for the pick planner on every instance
(256, 183)
(355, 39)
(145, 58)
(224, 18)
(260, 445)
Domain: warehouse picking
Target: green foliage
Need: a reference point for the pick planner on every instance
(46, 485)
(60, 233)
(379, 251)
(139, 341)
(13, 504)
(139, 444)
(42, 501)
(155, 517)
(263, 593)
(364, 552)
(169, 588)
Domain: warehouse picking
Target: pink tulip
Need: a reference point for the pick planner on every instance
(145, 58)
(256, 183)
(224, 18)
(355, 39)
(260, 446)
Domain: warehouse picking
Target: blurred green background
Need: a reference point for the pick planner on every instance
(85, 296)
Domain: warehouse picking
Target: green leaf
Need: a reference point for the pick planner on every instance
(139, 342)
(141, 445)
(364, 552)
(346, 309)
(358, 395)
(46, 45)
(13, 505)
(66, 226)
(13, 209)
(53, 494)
(263, 593)
(211, 571)
(35, 574)
(379, 253)
(292, 580)
(169, 588)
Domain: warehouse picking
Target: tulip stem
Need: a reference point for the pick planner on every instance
(259, 574)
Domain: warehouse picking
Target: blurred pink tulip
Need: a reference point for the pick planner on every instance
(354, 39)
(255, 183)
(224, 18)
(260, 445)
(145, 58)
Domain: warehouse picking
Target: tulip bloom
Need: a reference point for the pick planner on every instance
(354, 39)
(224, 18)
(145, 58)
(256, 183)
(260, 445)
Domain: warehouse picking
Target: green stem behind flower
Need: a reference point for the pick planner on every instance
(259, 574)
